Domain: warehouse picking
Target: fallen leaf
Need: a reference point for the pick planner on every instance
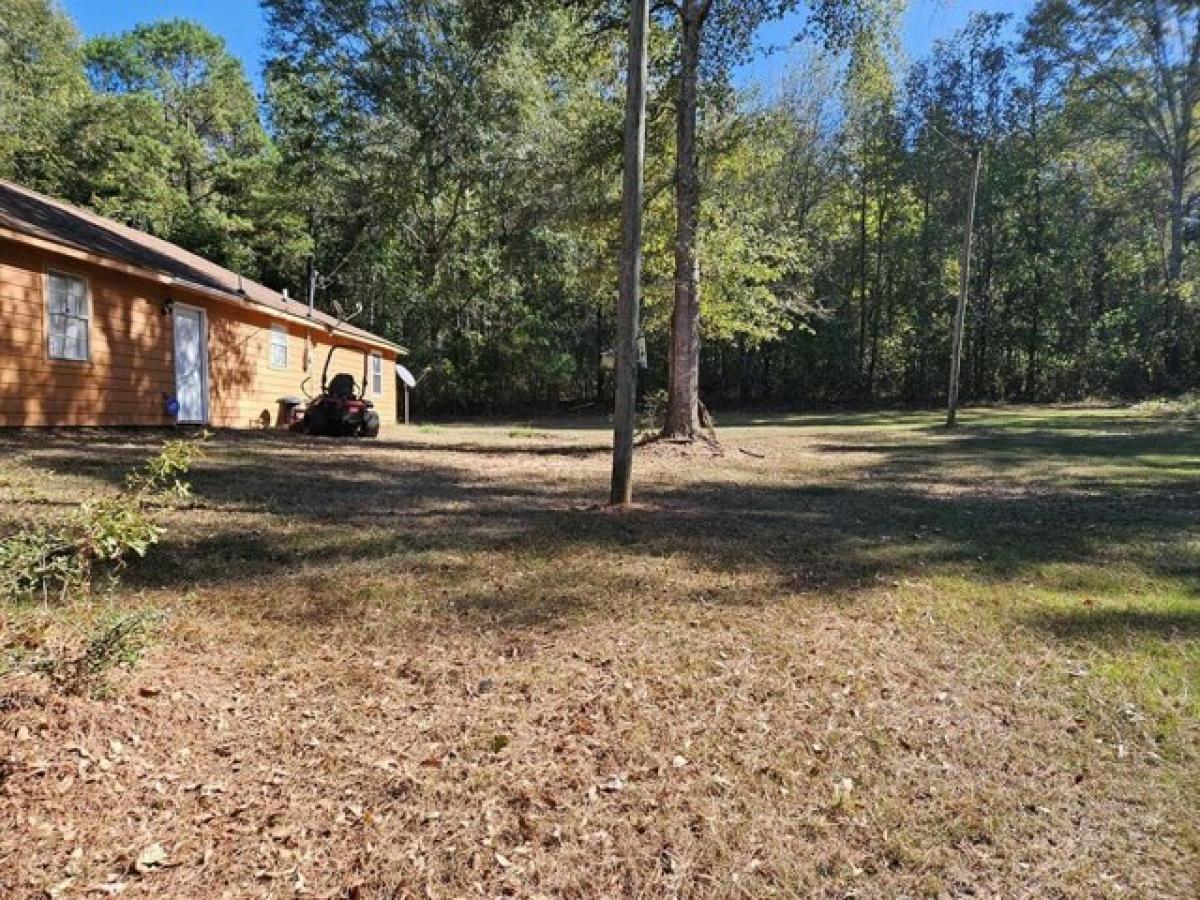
(151, 858)
(59, 889)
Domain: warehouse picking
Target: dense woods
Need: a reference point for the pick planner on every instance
(450, 170)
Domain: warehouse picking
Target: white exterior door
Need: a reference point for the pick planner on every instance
(191, 364)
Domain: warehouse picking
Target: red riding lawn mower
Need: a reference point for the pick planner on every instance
(340, 410)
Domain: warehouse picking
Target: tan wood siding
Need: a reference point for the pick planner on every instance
(130, 372)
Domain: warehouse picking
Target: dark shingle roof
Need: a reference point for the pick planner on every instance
(34, 214)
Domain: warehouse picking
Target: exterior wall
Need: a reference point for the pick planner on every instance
(131, 370)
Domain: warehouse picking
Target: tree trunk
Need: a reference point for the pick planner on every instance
(683, 404)
(960, 313)
(983, 344)
(876, 298)
(1177, 213)
(631, 256)
(920, 365)
(860, 360)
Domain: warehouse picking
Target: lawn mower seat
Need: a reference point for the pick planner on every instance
(342, 386)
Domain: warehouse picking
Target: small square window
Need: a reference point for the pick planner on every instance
(279, 347)
(376, 373)
(69, 317)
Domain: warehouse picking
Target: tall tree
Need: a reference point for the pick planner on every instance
(631, 252)
(462, 163)
(41, 82)
(1141, 59)
(170, 94)
(713, 35)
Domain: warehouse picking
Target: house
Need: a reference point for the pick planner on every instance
(101, 324)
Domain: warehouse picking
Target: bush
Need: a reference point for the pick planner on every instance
(38, 562)
(58, 561)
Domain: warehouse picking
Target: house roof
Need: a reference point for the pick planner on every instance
(38, 216)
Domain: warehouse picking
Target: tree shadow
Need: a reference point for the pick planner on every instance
(1107, 450)
(516, 449)
(344, 523)
(1109, 625)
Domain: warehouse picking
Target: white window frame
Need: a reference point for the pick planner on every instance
(51, 274)
(377, 374)
(272, 345)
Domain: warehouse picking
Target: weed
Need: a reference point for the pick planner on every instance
(56, 561)
(117, 640)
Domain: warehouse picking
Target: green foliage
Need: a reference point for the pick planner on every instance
(164, 472)
(172, 105)
(491, 170)
(56, 562)
(41, 81)
(157, 127)
(40, 562)
(454, 167)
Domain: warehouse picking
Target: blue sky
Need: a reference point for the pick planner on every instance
(242, 25)
(925, 21)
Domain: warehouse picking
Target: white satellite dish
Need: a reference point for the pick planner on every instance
(406, 376)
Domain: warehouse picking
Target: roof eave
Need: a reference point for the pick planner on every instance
(68, 249)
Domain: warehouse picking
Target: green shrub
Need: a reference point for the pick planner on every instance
(55, 562)
(40, 562)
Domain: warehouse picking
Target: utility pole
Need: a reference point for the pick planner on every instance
(964, 275)
(631, 255)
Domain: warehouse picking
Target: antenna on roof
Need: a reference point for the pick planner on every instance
(341, 312)
(312, 285)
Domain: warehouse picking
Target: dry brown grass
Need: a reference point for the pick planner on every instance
(865, 658)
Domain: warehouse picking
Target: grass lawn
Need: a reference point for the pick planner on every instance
(853, 656)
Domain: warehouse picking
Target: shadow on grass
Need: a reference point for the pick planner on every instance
(1106, 626)
(364, 521)
(542, 448)
(1147, 447)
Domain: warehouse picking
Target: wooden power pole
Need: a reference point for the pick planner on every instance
(964, 275)
(631, 255)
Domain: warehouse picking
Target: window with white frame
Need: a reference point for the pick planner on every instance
(279, 347)
(376, 373)
(69, 316)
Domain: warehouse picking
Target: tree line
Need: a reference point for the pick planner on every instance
(449, 171)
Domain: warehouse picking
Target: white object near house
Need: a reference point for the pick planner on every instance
(409, 383)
